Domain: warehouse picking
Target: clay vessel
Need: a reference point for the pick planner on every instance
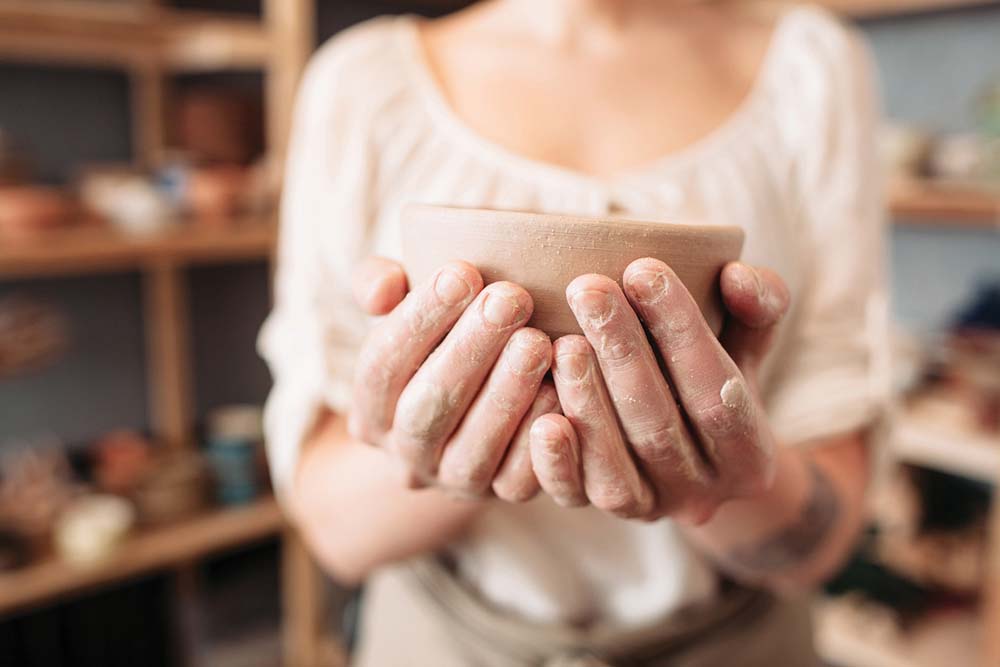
(544, 253)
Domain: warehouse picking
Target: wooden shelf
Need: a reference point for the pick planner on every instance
(926, 203)
(968, 455)
(82, 251)
(125, 34)
(880, 8)
(148, 550)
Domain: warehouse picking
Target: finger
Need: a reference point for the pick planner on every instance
(610, 478)
(473, 453)
(402, 341)
(712, 390)
(757, 300)
(641, 396)
(555, 459)
(379, 285)
(515, 482)
(437, 397)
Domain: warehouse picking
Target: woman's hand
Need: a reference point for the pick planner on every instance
(450, 378)
(644, 441)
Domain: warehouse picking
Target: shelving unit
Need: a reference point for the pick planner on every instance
(973, 640)
(146, 551)
(150, 42)
(82, 250)
(929, 204)
(968, 455)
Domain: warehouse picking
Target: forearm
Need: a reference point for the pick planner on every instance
(354, 511)
(800, 531)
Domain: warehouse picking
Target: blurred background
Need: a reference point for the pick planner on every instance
(140, 153)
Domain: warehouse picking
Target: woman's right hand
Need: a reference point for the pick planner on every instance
(450, 380)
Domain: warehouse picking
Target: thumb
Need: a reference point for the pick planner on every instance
(378, 284)
(757, 300)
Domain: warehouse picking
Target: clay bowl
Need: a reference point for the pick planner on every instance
(544, 253)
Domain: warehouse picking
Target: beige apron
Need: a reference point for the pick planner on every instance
(418, 614)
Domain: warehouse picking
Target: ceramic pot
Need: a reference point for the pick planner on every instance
(544, 253)
(30, 210)
(216, 194)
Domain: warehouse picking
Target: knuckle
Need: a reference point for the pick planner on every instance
(699, 509)
(515, 490)
(679, 329)
(619, 502)
(423, 411)
(467, 474)
(655, 441)
(721, 422)
(619, 349)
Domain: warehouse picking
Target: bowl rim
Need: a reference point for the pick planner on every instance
(522, 215)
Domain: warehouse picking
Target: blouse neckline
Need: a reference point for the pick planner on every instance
(449, 123)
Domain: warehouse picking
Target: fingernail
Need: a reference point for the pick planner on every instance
(524, 356)
(649, 286)
(591, 304)
(451, 288)
(501, 310)
(544, 431)
(750, 280)
(572, 366)
(758, 283)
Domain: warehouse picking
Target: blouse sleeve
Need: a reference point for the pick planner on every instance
(311, 336)
(831, 377)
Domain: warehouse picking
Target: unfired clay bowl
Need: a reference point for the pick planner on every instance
(543, 253)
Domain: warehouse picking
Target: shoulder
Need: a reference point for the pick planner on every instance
(820, 42)
(826, 77)
(356, 64)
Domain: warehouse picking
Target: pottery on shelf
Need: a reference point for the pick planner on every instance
(543, 253)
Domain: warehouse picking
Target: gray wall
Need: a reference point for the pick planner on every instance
(931, 66)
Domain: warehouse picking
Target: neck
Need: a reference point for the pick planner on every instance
(582, 24)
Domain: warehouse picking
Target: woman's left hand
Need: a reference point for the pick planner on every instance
(645, 441)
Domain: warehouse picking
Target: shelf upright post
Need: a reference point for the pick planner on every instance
(168, 353)
(148, 110)
(290, 25)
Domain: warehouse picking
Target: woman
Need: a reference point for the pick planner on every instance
(578, 523)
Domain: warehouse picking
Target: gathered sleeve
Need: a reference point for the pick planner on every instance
(832, 374)
(312, 334)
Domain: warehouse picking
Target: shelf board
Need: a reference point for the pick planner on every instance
(194, 41)
(885, 8)
(83, 250)
(128, 35)
(968, 455)
(927, 203)
(146, 551)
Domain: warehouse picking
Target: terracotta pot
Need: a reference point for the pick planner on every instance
(216, 194)
(544, 253)
(29, 210)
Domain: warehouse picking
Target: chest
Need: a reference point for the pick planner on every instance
(597, 116)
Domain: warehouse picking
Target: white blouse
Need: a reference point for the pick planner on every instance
(794, 165)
